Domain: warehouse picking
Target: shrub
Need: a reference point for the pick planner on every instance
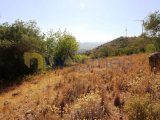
(15, 40)
(142, 108)
(92, 56)
(89, 107)
(80, 58)
(150, 48)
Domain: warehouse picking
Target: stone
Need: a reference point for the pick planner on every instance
(6, 102)
(16, 93)
(29, 112)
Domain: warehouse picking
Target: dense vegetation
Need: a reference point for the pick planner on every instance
(21, 37)
(15, 39)
(122, 46)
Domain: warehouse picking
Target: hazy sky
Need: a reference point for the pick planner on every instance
(87, 20)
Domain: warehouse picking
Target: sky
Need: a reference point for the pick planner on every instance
(87, 20)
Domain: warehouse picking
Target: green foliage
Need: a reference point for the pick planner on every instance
(143, 35)
(156, 42)
(151, 26)
(142, 108)
(87, 53)
(92, 56)
(62, 45)
(121, 41)
(51, 42)
(80, 58)
(106, 51)
(150, 48)
(152, 23)
(126, 51)
(140, 45)
(123, 46)
(116, 52)
(15, 39)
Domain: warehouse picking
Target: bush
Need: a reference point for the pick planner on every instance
(88, 107)
(62, 45)
(106, 51)
(81, 58)
(15, 40)
(150, 48)
(142, 108)
(92, 56)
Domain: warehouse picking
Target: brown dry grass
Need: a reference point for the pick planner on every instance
(97, 93)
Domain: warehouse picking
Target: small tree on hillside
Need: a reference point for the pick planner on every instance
(152, 26)
(106, 51)
(150, 48)
(62, 45)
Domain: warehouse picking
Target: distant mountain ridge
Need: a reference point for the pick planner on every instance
(85, 46)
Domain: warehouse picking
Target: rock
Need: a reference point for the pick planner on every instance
(16, 93)
(6, 102)
(29, 115)
(29, 112)
(154, 69)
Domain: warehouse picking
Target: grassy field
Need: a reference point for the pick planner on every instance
(92, 93)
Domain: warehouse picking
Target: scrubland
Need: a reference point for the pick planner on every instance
(93, 93)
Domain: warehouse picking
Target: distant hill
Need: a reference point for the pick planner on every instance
(85, 46)
(82, 50)
(122, 43)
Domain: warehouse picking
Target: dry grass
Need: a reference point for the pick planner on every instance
(93, 93)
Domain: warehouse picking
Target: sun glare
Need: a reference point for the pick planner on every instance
(82, 5)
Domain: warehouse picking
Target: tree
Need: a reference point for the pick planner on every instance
(143, 35)
(87, 53)
(151, 26)
(152, 23)
(106, 51)
(92, 56)
(156, 42)
(51, 42)
(150, 48)
(62, 45)
(15, 39)
(140, 44)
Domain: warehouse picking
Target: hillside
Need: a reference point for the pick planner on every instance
(100, 93)
(121, 43)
